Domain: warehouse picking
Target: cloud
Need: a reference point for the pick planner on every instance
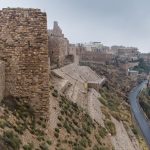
(125, 22)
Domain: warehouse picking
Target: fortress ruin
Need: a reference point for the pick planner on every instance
(61, 52)
(58, 46)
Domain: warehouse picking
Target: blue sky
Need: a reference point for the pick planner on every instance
(113, 22)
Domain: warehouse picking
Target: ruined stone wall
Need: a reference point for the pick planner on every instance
(72, 49)
(24, 47)
(96, 57)
(80, 49)
(127, 65)
(58, 46)
(130, 51)
(124, 67)
(73, 52)
(2, 79)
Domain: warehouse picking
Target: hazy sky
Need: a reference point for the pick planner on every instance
(113, 22)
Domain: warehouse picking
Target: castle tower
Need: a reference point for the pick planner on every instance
(57, 30)
(24, 47)
(58, 46)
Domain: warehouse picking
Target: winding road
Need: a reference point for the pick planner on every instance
(138, 113)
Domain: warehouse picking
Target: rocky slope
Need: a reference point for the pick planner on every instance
(80, 119)
(18, 129)
(112, 102)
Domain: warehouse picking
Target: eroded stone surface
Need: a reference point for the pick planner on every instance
(24, 48)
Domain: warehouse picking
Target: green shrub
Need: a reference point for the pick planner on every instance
(39, 132)
(88, 120)
(105, 112)
(84, 142)
(134, 130)
(116, 115)
(75, 122)
(67, 127)
(96, 147)
(60, 118)
(59, 125)
(55, 93)
(51, 87)
(110, 127)
(11, 139)
(86, 128)
(43, 126)
(112, 104)
(2, 124)
(103, 101)
(56, 134)
(29, 146)
(57, 130)
(78, 147)
(49, 142)
(102, 132)
(40, 138)
(98, 138)
(20, 128)
(44, 146)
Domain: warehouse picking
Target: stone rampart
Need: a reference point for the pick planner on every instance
(24, 48)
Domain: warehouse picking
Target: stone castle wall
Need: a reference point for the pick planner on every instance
(24, 48)
(73, 52)
(127, 65)
(80, 49)
(90, 56)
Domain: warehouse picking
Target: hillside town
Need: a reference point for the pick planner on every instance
(60, 95)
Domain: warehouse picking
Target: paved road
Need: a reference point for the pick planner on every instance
(139, 116)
